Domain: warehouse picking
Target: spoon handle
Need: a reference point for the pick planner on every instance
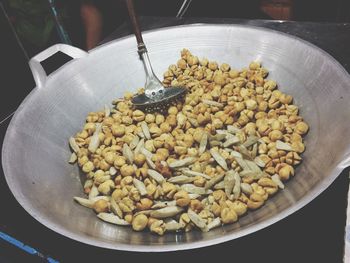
(135, 24)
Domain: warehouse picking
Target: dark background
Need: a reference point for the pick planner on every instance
(313, 234)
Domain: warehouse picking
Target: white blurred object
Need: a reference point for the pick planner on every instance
(183, 8)
(347, 232)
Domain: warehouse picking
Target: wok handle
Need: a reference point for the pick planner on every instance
(38, 71)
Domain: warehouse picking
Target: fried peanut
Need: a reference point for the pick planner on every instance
(228, 215)
(101, 206)
(139, 222)
(182, 198)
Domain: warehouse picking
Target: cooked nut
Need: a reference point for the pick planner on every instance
(285, 99)
(101, 206)
(158, 227)
(258, 189)
(295, 137)
(155, 131)
(239, 207)
(104, 165)
(270, 85)
(88, 167)
(196, 205)
(264, 129)
(173, 110)
(149, 146)
(199, 181)
(180, 150)
(233, 73)
(276, 93)
(131, 128)
(171, 120)
(158, 142)
(271, 190)
(83, 160)
(139, 222)
(119, 161)
(219, 79)
(118, 130)
(184, 219)
(192, 60)
(126, 205)
(192, 152)
(159, 119)
(263, 105)
(144, 204)
(266, 182)
(127, 180)
(182, 198)
(181, 63)
(293, 158)
(254, 205)
(188, 140)
(275, 135)
(212, 65)
(251, 104)
(127, 170)
(225, 67)
(165, 127)
(301, 128)
(169, 188)
(151, 220)
(285, 172)
(256, 197)
(138, 115)
(106, 187)
(150, 118)
(298, 146)
(250, 128)
(273, 102)
(139, 159)
(270, 170)
(216, 209)
(110, 157)
(134, 194)
(151, 189)
(228, 216)
(117, 195)
(128, 218)
(219, 195)
(277, 125)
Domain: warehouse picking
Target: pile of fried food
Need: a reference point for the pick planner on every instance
(225, 149)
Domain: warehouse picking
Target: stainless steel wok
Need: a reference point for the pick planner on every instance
(35, 150)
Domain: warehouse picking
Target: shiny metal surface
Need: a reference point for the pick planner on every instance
(35, 150)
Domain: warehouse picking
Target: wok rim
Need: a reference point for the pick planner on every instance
(316, 191)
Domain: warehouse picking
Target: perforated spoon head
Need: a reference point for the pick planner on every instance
(160, 102)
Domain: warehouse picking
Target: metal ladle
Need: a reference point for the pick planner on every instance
(156, 96)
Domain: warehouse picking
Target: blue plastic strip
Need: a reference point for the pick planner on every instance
(24, 247)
